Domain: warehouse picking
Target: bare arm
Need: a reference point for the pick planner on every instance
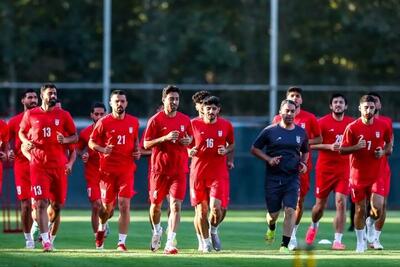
(171, 136)
(261, 155)
(315, 140)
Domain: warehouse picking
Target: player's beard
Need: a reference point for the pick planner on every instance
(31, 105)
(52, 102)
(120, 110)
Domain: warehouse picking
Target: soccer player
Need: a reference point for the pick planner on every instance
(29, 100)
(115, 137)
(286, 153)
(367, 140)
(309, 123)
(4, 136)
(198, 98)
(91, 160)
(332, 170)
(213, 140)
(168, 133)
(45, 131)
(374, 231)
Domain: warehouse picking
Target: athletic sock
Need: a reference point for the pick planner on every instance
(170, 239)
(102, 227)
(272, 226)
(285, 241)
(294, 231)
(338, 237)
(157, 227)
(121, 238)
(28, 237)
(360, 235)
(377, 234)
(314, 225)
(199, 239)
(214, 229)
(45, 237)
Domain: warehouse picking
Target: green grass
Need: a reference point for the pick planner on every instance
(242, 234)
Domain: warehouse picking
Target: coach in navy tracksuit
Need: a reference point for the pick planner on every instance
(286, 153)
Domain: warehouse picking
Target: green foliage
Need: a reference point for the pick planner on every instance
(173, 41)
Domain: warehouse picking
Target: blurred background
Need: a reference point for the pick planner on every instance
(347, 46)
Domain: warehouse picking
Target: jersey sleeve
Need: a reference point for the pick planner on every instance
(151, 130)
(69, 126)
(82, 142)
(230, 138)
(304, 146)
(261, 139)
(97, 133)
(347, 137)
(315, 130)
(25, 124)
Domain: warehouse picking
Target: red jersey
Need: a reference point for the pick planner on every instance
(42, 127)
(13, 125)
(4, 134)
(84, 137)
(207, 163)
(123, 135)
(168, 158)
(332, 132)
(364, 166)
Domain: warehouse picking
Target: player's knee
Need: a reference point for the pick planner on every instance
(175, 207)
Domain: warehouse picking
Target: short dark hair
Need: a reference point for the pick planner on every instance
(47, 86)
(27, 91)
(287, 101)
(375, 94)
(296, 89)
(199, 96)
(367, 98)
(118, 92)
(212, 100)
(97, 105)
(336, 95)
(168, 89)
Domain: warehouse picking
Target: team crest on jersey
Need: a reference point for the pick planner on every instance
(377, 134)
(298, 139)
(57, 122)
(130, 130)
(303, 125)
(220, 133)
(182, 128)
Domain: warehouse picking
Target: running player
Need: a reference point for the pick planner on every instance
(115, 137)
(286, 153)
(374, 231)
(368, 140)
(168, 134)
(29, 100)
(213, 140)
(332, 170)
(45, 131)
(309, 123)
(91, 160)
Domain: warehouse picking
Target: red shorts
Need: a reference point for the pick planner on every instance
(49, 183)
(304, 183)
(92, 176)
(22, 179)
(225, 200)
(361, 192)
(202, 189)
(117, 183)
(327, 182)
(162, 185)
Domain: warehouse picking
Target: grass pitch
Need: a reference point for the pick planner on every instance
(242, 234)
